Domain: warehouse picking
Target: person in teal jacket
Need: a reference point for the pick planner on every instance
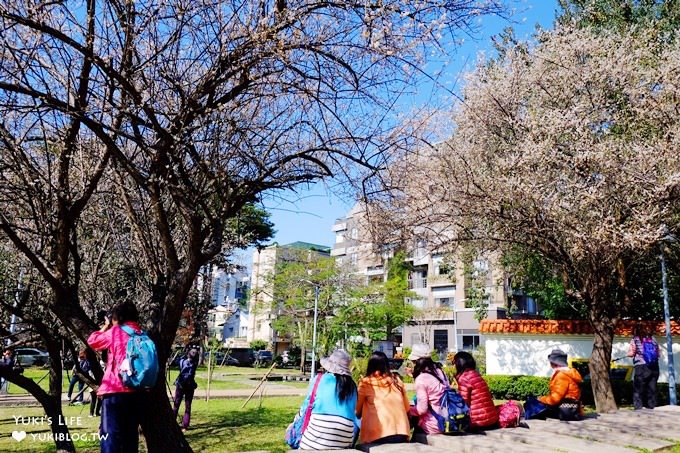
(333, 423)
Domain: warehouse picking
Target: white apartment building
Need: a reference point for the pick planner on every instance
(228, 319)
(447, 321)
(260, 303)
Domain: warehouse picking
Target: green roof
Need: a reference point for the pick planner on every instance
(308, 246)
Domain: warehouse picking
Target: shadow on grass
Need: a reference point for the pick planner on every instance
(257, 428)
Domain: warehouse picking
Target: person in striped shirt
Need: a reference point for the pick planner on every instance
(333, 424)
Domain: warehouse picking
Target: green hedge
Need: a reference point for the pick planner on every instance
(519, 387)
(516, 387)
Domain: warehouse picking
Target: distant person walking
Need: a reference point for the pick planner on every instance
(475, 391)
(645, 353)
(185, 384)
(7, 362)
(382, 405)
(75, 379)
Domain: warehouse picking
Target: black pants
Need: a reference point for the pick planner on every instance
(394, 439)
(644, 386)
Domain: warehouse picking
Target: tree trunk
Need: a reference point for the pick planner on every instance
(52, 406)
(161, 430)
(599, 366)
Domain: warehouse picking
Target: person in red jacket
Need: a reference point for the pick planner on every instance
(475, 391)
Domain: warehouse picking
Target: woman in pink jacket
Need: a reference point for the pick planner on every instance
(429, 379)
(121, 406)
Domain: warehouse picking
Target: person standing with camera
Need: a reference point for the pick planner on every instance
(121, 405)
(185, 384)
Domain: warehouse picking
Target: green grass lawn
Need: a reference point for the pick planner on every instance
(224, 378)
(216, 426)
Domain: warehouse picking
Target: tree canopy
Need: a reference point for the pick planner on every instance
(568, 149)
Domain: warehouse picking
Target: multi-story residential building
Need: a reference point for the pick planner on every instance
(446, 317)
(261, 305)
(228, 319)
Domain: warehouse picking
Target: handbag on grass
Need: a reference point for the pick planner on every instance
(300, 422)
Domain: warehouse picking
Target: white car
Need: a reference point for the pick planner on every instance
(31, 357)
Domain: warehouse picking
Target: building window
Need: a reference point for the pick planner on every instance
(441, 340)
(445, 302)
(470, 342)
(354, 234)
(339, 237)
(353, 258)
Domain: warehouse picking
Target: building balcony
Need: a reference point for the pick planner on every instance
(440, 280)
(417, 283)
(339, 251)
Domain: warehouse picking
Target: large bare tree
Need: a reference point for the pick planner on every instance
(570, 149)
(190, 111)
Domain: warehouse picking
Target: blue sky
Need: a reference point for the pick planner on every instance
(309, 215)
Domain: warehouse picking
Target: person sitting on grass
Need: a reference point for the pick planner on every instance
(475, 391)
(564, 399)
(382, 405)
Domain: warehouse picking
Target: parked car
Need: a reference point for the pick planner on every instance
(221, 358)
(31, 357)
(263, 358)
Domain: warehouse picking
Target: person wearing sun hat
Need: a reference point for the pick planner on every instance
(333, 423)
(564, 398)
(430, 382)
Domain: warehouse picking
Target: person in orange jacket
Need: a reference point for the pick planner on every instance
(382, 405)
(564, 399)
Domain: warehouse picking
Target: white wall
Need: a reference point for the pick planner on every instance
(528, 354)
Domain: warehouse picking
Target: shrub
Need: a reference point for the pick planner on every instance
(258, 345)
(359, 365)
(516, 387)
(519, 387)
(480, 358)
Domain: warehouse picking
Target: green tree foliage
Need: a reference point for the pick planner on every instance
(391, 309)
(622, 15)
(290, 291)
(537, 278)
(258, 345)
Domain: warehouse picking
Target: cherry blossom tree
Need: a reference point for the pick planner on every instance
(191, 111)
(568, 148)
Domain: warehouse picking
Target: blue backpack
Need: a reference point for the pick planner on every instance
(457, 413)
(650, 351)
(140, 369)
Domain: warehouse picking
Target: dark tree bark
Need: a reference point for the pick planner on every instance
(599, 365)
(51, 405)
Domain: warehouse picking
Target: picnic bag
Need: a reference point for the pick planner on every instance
(297, 427)
(534, 409)
(509, 414)
(569, 409)
(139, 370)
(456, 413)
